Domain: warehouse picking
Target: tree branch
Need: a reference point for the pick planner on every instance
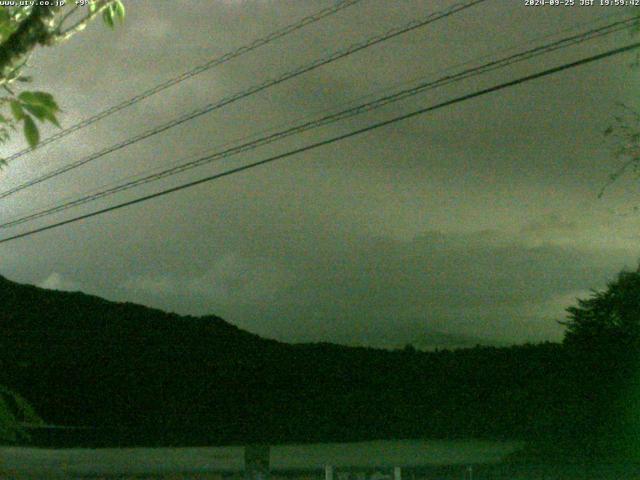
(65, 17)
(82, 24)
(36, 29)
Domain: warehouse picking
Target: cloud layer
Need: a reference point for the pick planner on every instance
(476, 222)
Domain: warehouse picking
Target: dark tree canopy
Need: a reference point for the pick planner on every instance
(609, 317)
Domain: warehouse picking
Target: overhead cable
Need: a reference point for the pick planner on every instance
(325, 12)
(344, 136)
(332, 118)
(413, 25)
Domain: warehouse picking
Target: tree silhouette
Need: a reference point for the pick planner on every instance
(603, 347)
(609, 318)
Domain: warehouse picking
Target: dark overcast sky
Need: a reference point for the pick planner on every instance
(479, 220)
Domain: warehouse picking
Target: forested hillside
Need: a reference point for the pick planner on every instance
(136, 375)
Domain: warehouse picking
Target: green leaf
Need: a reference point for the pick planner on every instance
(41, 113)
(5, 16)
(107, 16)
(16, 109)
(31, 132)
(53, 119)
(6, 25)
(40, 98)
(120, 11)
(36, 110)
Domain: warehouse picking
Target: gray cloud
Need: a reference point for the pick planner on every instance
(478, 221)
(483, 285)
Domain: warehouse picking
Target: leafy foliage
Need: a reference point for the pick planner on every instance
(602, 340)
(14, 412)
(608, 317)
(28, 107)
(11, 18)
(22, 28)
(113, 12)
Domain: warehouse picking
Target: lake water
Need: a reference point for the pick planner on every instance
(112, 461)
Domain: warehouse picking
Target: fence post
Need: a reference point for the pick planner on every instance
(256, 462)
(328, 472)
(397, 473)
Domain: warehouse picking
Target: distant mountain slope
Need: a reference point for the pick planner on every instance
(26, 307)
(83, 360)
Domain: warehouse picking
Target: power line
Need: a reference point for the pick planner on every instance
(340, 5)
(354, 101)
(413, 25)
(332, 118)
(335, 139)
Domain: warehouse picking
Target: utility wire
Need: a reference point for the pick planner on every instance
(332, 118)
(413, 25)
(335, 139)
(372, 95)
(340, 5)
